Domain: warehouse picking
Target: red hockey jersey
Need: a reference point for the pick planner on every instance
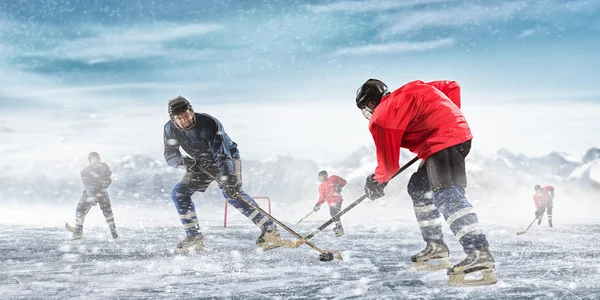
(542, 197)
(422, 117)
(327, 190)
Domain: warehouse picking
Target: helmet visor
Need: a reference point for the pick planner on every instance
(368, 110)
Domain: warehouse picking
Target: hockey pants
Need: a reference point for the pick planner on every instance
(192, 182)
(334, 209)
(86, 202)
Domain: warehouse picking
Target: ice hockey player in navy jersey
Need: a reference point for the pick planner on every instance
(210, 148)
(96, 180)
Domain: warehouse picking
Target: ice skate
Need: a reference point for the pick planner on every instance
(270, 239)
(113, 231)
(338, 230)
(76, 232)
(433, 257)
(190, 244)
(478, 260)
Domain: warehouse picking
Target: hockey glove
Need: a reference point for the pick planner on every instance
(106, 183)
(232, 186)
(188, 163)
(338, 188)
(91, 193)
(374, 189)
(317, 207)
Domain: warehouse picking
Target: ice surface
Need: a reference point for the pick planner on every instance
(40, 263)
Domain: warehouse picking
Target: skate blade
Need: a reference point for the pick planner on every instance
(190, 249)
(432, 264)
(268, 247)
(269, 243)
(278, 244)
(488, 278)
(337, 255)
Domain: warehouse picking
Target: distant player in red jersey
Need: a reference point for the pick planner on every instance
(425, 117)
(544, 201)
(330, 191)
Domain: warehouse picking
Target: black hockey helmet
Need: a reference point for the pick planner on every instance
(323, 174)
(537, 187)
(94, 159)
(369, 95)
(179, 105)
(93, 155)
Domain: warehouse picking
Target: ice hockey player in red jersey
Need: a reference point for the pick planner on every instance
(544, 201)
(425, 117)
(330, 191)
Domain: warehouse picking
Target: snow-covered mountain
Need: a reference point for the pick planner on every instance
(140, 178)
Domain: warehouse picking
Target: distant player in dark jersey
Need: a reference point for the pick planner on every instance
(96, 179)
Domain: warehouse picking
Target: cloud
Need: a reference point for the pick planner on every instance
(155, 33)
(6, 129)
(369, 6)
(142, 41)
(455, 16)
(526, 33)
(398, 47)
(71, 90)
(468, 13)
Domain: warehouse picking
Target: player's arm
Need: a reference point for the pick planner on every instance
(220, 150)
(171, 149)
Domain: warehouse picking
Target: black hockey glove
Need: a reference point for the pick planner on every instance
(232, 186)
(317, 207)
(338, 188)
(106, 183)
(374, 189)
(188, 163)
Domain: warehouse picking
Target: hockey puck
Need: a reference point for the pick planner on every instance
(326, 256)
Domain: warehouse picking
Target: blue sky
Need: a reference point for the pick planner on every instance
(87, 62)
(92, 53)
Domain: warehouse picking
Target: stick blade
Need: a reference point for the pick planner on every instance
(298, 243)
(337, 255)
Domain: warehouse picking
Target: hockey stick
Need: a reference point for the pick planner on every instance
(305, 217)
(324, 254)
(355, 203)
(522, 232)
